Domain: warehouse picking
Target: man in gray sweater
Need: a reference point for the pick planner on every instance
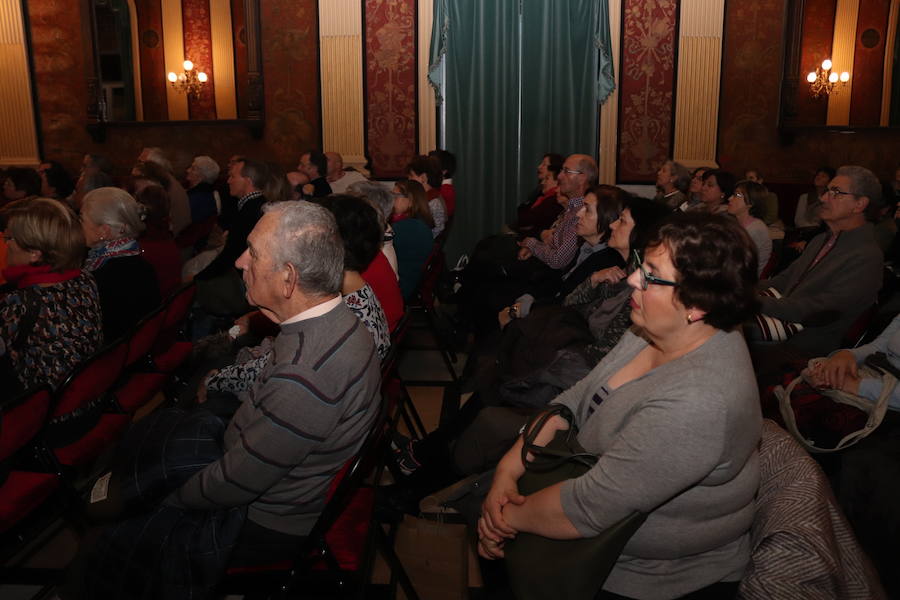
(315, 400)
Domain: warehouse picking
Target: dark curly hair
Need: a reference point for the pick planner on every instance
(359, 226)
(429, 165)
(647, 215)
(716, 264)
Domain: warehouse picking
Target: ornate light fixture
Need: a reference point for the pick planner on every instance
(823, 82)
(189, 82)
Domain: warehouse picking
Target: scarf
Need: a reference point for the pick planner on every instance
(23, 276)
(97, 257)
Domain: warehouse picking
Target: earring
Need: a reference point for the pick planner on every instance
(690, 318)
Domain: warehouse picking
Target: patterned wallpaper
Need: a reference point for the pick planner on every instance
(198, 45)
(748, 114)
(646, 88)
(290, 67)
(390, 96)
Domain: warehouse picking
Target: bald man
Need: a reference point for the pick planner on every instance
(338, 178)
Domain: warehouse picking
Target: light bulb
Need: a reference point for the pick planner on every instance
(188, 65)
(173, 77)
(826, 64)
(201, 76)
(845, 76)
(833, 78)
(811, 77)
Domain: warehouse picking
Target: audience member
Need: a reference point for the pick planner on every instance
(382, 199)
(50, 313)
(179, 205)
(672, 181)
(20, 183)
(809, 203)
(314, 165)
(718, 185)
(411, 222)
(770, 207)
(674, 417)
(745, 204)
(447, 161)
(694, 188)
(277, 188)
(427, 171)
(157, 242)
(203, 197)
(543, 206)
(88, 181)
(56, 182)
(112, 220)
(338, 178)
(559, 244)
(835, 279)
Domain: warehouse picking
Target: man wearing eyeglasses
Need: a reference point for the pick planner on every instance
(558, 245)
(839, 273)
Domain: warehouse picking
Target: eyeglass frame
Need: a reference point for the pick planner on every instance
(835, 191)
(646, 278)
(572, 171)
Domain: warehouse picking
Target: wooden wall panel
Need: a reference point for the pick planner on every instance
(868, 63)
(153, 60)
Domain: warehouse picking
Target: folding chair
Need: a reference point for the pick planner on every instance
(337, 555)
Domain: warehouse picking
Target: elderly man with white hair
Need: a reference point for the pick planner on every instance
(201, 177)
(316, 398)
(337, 177)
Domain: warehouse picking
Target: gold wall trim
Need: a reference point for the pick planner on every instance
(699, 69)
(888, 78)
(340, 44)
(136, 62)
(609, 110)
(427, 105)
(843, 48)
(223, 59)
(18, 142)
(173, 39)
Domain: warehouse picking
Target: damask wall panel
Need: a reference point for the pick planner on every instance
(818, 31)
(390, 94)
(153, 59)
(868, 63)
(748, 133)
(290, 65)
(198, 49)
(646, 88)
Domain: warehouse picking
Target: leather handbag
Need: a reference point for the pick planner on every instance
(541, 568)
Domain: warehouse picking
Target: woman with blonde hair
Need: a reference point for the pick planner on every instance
(49, 313)
(112, 220)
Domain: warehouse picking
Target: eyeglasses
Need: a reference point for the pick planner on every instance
(837, 192)
(572, 171)
(647, 278)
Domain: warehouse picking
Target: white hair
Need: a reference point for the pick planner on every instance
(156, 155)
(208, 168)
(117, 208)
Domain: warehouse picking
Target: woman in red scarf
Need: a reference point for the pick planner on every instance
(49, 313)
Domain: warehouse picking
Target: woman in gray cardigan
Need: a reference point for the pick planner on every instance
(674, 415)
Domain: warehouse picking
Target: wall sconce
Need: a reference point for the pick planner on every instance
(823, 81)
(189, 82)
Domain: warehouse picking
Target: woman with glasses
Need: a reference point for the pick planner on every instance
(49, 311)
(745, 205)
(673, 414)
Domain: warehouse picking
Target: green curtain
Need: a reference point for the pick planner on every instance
(523, 77)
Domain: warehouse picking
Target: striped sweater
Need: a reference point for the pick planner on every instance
(307, 414)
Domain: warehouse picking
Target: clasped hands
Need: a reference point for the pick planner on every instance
(837, 372)
(493, 526)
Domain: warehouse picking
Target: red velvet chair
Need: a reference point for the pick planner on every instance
(23, 491)
(139, 385)
(338, 554)
(170, 350)
(86, 391)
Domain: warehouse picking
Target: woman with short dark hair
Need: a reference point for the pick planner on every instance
(746, 205)
(50, 315)
(718, 185)
(673, 414)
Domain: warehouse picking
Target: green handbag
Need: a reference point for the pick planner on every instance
(541, 568)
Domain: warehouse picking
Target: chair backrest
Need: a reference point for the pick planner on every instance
(432, 270)
(802, 546)
(144, 334)
(774, 259)
(178, 305)
(92, 379)
(21, 418)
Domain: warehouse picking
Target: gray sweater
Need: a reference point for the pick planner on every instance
(679, 443)
(306, 415)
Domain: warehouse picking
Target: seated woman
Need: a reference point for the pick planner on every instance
(112, 220)
(427, 171)
(541, 211)
(411, 222)
(718, 185)
(50, 316)
(383, 200)
(745, 204)
(157, 242)
(672, 181)
(809, 203)
(673, 414)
